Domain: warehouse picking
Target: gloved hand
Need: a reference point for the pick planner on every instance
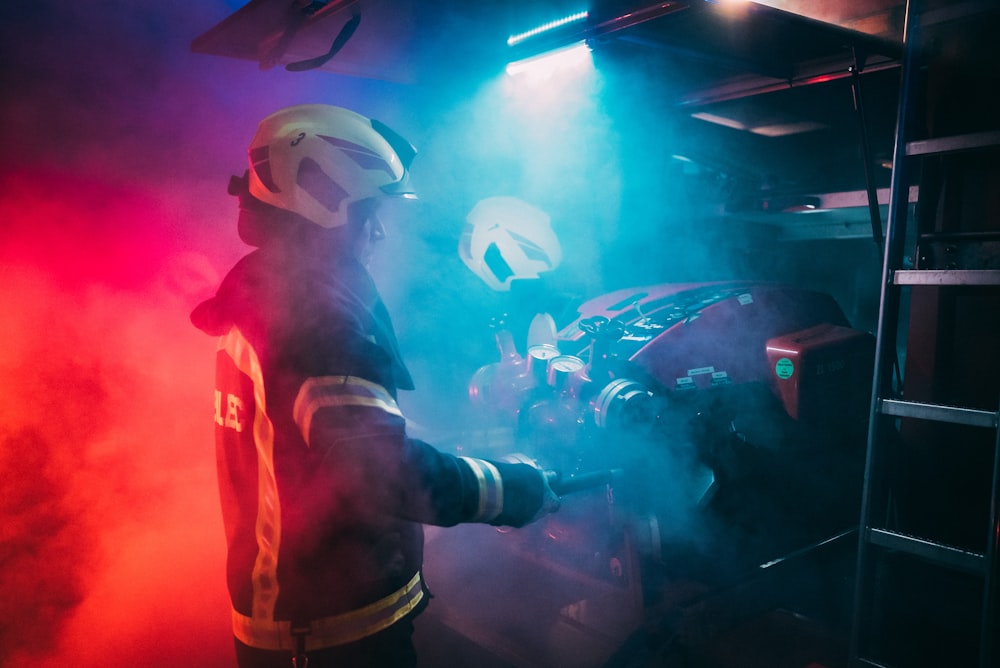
(550, 500)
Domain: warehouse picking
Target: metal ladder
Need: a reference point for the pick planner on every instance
(881, 543)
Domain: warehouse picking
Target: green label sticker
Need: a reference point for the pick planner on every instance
(784, 368)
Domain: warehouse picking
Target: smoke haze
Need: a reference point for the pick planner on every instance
(115, 223)
(109, 517)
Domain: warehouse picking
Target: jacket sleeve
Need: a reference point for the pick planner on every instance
(358, 435)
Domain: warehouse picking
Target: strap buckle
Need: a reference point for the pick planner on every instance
(299, 633)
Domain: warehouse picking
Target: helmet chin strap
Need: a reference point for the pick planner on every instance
(239, 185)
(338, 43)
(261, 224)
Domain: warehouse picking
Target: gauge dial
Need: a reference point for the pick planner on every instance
(543, 351)
(566, 363)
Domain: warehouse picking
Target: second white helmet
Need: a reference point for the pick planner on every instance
(316, 159)
(506, 239)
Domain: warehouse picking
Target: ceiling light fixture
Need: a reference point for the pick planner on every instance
(719, 120)
(546, 27)
(545, 63)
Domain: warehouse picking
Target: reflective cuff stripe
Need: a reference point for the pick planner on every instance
(331, 631)
(490, 489)
(327, 391)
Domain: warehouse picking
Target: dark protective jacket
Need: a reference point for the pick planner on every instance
(323, 493)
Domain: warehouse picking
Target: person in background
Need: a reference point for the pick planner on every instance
(511, 246)
(323, 492)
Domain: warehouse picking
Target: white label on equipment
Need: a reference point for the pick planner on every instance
(720, 378)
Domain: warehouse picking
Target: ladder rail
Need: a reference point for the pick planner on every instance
(888, 318)
(988, 634)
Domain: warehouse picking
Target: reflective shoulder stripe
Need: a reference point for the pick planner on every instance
(325, 391)
(490, 489)
(332, 631)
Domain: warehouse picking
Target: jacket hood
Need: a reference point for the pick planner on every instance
(215, 316)
(265, 283)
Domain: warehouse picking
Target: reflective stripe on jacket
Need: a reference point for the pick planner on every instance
(331, 631)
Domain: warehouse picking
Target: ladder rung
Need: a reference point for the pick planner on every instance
(956, 143)
(862, 661)
(946, 555)
(946, 277)
(957, 10)
(954, 414)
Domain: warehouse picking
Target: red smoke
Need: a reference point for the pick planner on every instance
(110, 535)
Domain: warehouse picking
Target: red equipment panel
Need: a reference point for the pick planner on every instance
(692, 336)
(823, 373)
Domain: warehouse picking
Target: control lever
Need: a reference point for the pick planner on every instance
(603, 334)
(563, 485)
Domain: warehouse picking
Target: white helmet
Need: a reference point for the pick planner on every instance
(505, 239)
(316, 160)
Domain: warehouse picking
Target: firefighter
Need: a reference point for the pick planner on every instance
(323, 492)
(511, 246)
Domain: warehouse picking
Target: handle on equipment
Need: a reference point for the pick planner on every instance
(575, 483)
